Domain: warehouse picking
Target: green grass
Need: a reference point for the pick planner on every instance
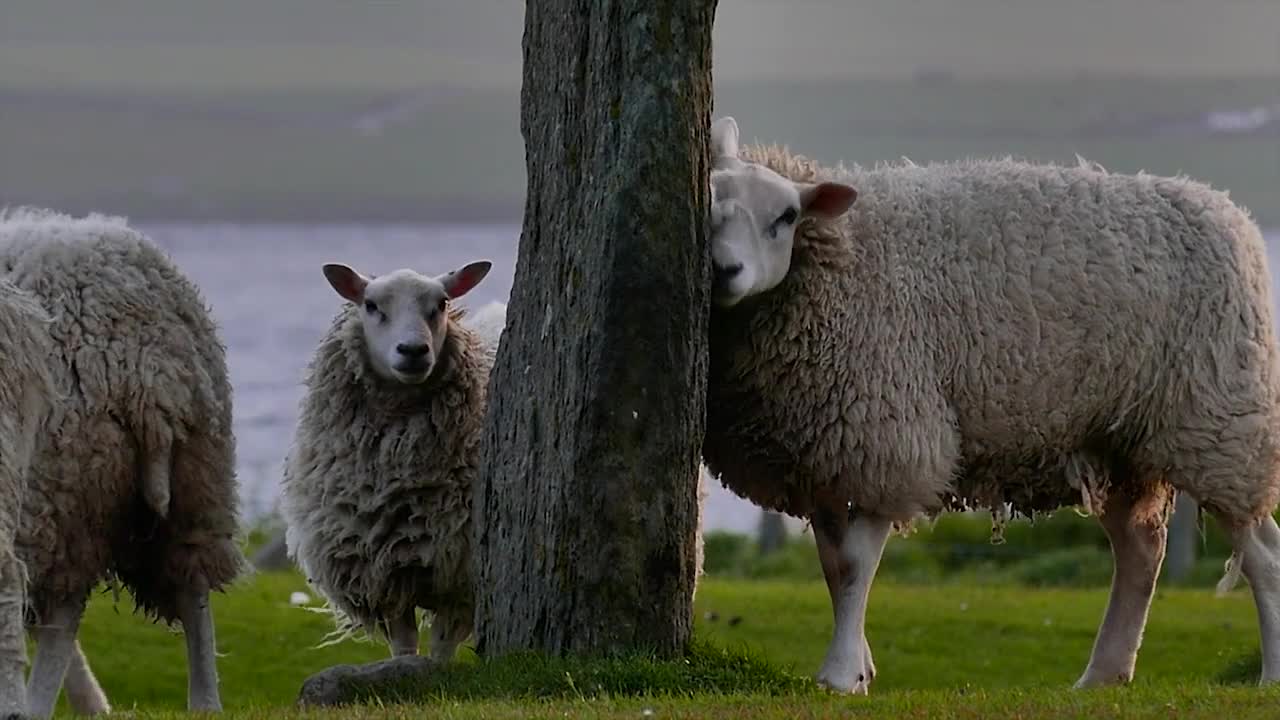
(1183, 702)
(1064, 549)
(948, 649)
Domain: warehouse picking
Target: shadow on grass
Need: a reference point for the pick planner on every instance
(1242, 670)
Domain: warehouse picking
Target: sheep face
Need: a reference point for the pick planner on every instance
(754, 216)
(404, 315)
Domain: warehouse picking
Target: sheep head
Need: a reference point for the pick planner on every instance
(404, 315)
(754, 216)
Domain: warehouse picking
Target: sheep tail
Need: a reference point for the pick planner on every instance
(158, 473)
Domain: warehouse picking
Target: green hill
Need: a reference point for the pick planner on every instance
(332, 110)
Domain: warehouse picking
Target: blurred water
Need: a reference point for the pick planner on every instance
(267, 293)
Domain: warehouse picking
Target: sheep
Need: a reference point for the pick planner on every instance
(135, 480)
(991, 333)
(27, 397)
(376, 494)
(489, 320)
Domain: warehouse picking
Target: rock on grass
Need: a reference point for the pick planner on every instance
(346, 684)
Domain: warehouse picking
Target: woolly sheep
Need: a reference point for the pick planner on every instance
(26, 398)
(377, 486)
(999, 334)
(135, 480)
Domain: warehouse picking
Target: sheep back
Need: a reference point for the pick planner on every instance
(142, 373)
(990, 332)
(377, 486)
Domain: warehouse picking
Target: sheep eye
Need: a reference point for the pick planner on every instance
(787, 217)
(370, 306)
(444, 302)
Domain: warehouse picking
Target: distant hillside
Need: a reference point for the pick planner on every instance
(312, 44)
(340, 110)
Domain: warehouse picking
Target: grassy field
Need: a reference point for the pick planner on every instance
(951, 649)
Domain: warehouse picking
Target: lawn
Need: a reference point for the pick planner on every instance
(948, 649)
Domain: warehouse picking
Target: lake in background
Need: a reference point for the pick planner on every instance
(266, 290)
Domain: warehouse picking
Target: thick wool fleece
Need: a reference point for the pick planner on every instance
(142, 377)
(377, 486)
(26, 398)
(996, 331)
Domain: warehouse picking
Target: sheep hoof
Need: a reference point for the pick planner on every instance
(860, 685)
(1097, 679)
(846, 679)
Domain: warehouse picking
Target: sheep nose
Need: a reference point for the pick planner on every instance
(413, 351)
(725, 273)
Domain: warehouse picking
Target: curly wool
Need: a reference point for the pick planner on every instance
(27, 396)
(992, 332)
(377, 487)
(145, 399)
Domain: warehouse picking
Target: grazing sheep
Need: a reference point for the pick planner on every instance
(488, 321)
(135, 480)
(377, 486)
(988, 333)
(27, 396)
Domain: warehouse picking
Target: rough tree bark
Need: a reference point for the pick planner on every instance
(1180, 546)
(585, 508)
(772, 532)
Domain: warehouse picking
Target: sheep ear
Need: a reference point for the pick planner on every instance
(347, 282)
(459, 282)
(826, 199)
(724, 138)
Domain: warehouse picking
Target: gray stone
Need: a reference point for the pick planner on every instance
(344, 684)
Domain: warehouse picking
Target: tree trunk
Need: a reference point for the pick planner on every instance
(1180, 554)
(772, 532)
(585, 507)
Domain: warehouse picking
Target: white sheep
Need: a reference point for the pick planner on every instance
(134, 479)
(377, 485)
(992, 332)
(27, 396)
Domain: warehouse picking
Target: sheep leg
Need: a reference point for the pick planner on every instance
(55, 645)
(1257, 549)
(448, 630)
(1136, 530)
(13, 648)
(849, 547)
(83, 691)
(402, 633)
(836, 524)
(202, 669)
